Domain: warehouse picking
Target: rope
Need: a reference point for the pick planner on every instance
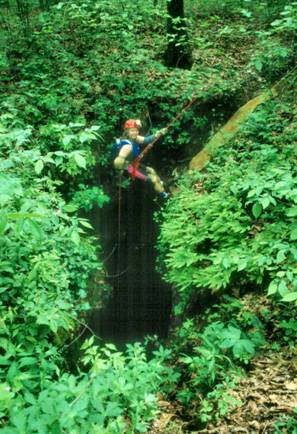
(119, 231)
(136, 162)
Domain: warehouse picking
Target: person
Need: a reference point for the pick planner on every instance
(129, 147)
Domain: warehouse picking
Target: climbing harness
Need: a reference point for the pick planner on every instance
(136, 162)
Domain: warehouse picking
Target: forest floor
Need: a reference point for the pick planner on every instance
(267, 395)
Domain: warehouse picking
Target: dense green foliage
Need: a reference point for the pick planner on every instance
(116, 395)
(212, 350)
(234, 225)
(45, 267)
(232, 229)
(229, 338)
(46, 261)
(71, 73)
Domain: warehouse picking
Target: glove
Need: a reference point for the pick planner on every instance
(162, 132)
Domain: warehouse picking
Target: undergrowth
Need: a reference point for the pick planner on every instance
(70, 75)
(234, 226)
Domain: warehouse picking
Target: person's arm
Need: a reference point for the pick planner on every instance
(120, 161)
(141, 140)
(149, 139)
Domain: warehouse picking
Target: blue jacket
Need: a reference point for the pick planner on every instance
(117, 146)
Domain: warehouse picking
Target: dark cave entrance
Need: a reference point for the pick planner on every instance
(140, 302)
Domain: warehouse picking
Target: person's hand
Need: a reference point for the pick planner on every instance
(162, 132)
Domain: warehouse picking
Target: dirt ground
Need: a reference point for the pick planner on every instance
(268, 394)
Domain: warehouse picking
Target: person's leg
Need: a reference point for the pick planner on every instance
(148, 174)
(137, 173)
(156, 181)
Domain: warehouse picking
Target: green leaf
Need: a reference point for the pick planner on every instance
(34, 228)
(243, 346)
(70, 207)
(84, 137)
(258, 65)
(9, 187)
(12, 372)
(272, 289)
(80, 160)
(76, 125)
(75, 237)
(246, 13)
(4, 361)
(113, 409)
(86, 224)
(29, 397)
(27, 361)
(3, 223)
(293, 235)
(265, 202)
(292, 212)
(111, 347)
(81, 404)
(87, 343)
(5, 392)
(47, 405)
(281, 256)
(257, 210)
(38, 167)
(276, 23)
(282, 288)
(242, 264)
(248, 345)
(67, 139)
(19, 421)
(230, 336)
(53, 325)
(8, 430)
(291, 296)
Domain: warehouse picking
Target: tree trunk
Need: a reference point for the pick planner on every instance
(178, 53)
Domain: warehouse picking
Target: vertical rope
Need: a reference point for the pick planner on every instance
(119, 231)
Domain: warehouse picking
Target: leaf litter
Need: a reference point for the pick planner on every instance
(267, 394)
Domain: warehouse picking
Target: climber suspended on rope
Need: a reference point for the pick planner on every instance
(128, 154)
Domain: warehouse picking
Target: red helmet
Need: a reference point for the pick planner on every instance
(132, 123)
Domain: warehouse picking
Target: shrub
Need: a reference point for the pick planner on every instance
(117, 395)
(234, 226)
